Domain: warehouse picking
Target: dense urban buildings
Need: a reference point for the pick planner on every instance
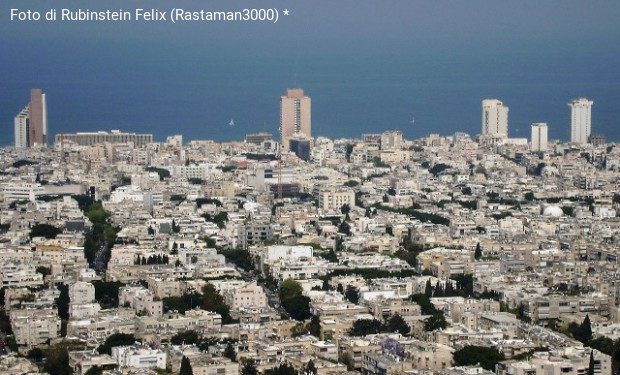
(376, 255)
(580, 120)
(295, 116)
(494, 118)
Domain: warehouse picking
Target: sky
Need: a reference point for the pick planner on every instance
(316, 37)
(367, 21)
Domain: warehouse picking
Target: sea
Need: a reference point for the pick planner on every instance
(199, 90)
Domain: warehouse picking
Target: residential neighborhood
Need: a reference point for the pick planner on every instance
(377, 255)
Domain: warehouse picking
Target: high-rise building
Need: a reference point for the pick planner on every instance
(31, 122)
(37, 109)
(494, 118)
(580, 120)
(295, 116)
(21, 129)
(539, 137)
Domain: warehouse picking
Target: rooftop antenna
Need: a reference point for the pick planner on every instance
(295, 80)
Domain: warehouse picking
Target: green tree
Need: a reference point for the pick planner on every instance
(212, 298)
(186, 367)
(57, 357)
(591, 364)
(314, 326)
(486, 357)
(116, 339)
(44, 230)
(347, 359)
(310, 368)
(352, 294)
(425, 303)
(186, 337)
(345, 209)
(230, 353)
(20, 163)
(106, 293)
(363, 327)
(345, 228)
(396, 323)
(57, 361)
(478, 252)
(35, 354)
(289, 288)
(249, 367)
(45, 271)
(283, 369)
(298, 307)
(436, 321)
(95, 370)
(428, 288)
(438, 168)
(583, 333)
(62, 302)
(241, 258)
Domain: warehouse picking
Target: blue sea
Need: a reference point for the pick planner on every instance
(183, 87)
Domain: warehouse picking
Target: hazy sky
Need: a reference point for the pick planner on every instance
(370, 21)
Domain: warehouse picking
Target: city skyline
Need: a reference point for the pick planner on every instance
(295, 122)
(429, 61)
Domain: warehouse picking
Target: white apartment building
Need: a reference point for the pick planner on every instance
(35, 326)
(494, 118)
(246, 297)
(138, 357)
(335, 198)
(81, 292)
(141, 300)
(539, 137)
(19, 275)
(580, 120)
(21, 128)
(20, 191)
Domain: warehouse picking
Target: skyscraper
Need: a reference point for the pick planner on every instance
(580, 120)
(31, 122)
(21, 129)
(539, 137)
(295, 116)
(494, 118)
(38, 118)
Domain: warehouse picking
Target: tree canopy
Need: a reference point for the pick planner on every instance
(186, 367)
(44, 230)
(486, 357)
(116, 339)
